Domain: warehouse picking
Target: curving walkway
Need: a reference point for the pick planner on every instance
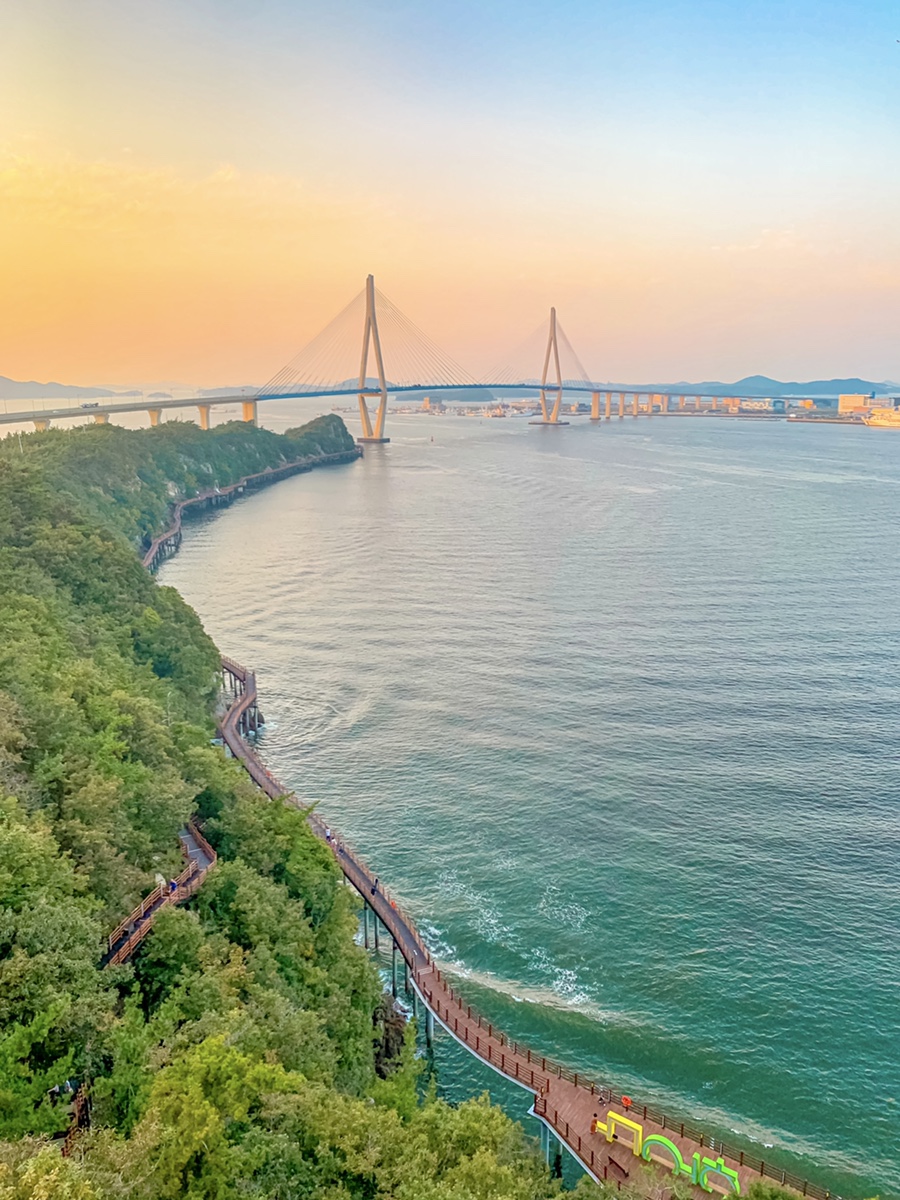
(609, 1134)
(128, 935)
(167, 543)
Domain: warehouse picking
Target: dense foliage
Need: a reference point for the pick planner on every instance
(243, 1053)
(127, 478)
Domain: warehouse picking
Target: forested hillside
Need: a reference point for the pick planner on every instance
(246, 1051)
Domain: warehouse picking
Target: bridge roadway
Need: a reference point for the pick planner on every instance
(642, 397)
(566, 1102)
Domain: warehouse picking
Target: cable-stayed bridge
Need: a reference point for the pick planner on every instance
(371, 350)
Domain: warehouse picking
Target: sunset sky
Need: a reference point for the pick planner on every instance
(190, 189)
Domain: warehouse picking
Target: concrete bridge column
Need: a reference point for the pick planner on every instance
(681, 401)
(101, 418)
(650, 401)
(664, 404)
(635, 404)
(595, 406)
(715, 403)
(203, 410)
(154, 414)
(249, 411)
(621, 405)
(697, 403)
(608, 412)
(41, 424)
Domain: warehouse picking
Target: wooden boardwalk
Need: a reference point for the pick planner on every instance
(610, 1135)
(167, 543)
(128, 935)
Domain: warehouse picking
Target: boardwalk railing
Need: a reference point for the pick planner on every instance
(513, 1060)
(163, 546)
(128, 934)
(601, 1169)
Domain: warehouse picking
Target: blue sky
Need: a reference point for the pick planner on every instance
(661, 169)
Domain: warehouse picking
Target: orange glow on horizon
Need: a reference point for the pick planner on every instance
(119, 272)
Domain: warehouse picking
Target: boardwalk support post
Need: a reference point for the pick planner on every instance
(394, 969)
(429, 1028)
(366, 924)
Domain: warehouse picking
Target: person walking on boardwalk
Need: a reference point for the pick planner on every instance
(375, 886)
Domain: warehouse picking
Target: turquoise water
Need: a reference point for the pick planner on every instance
(614, 709)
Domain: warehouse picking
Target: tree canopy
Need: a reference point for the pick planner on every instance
(245, 1052)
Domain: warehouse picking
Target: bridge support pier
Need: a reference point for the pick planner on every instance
(608, 410)
(41, 424)
(715, 403)
(101, 418)
(635, 404)
(203, 410)
(664, 404)
(249, 412)
(681, 401)
(154, 414)
(697, 400)
(621, 406)
(595, 406)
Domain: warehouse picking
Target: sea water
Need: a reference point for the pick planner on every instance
(614, 710)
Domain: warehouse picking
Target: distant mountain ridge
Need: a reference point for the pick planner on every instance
(15, 389)
(762, 385)
(751, 385)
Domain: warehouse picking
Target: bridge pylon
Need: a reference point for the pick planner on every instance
(551, 417)
(371, 337)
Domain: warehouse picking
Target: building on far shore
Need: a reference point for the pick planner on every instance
(855, 402)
